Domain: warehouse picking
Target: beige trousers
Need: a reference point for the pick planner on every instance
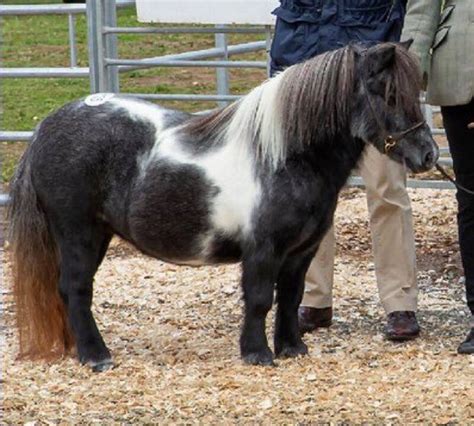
(393, 242)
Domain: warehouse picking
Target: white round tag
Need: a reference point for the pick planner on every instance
(98, 99)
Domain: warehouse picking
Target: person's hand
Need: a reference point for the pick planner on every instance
(471, 125)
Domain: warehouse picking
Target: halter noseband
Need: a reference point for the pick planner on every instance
(390, 139)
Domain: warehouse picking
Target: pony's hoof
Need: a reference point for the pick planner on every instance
(259, 358)
(293, 351)
(101, 366)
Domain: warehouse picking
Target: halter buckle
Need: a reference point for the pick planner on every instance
(390, 142)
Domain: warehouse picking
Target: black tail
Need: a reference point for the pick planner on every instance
(41, 315)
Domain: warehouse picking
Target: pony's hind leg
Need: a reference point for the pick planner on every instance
(81, 255)
(290, 287)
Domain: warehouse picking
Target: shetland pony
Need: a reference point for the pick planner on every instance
(255, 182)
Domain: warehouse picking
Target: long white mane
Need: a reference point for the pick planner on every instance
(284, 112)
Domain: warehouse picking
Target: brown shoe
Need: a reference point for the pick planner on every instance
(401, 325)
(309, 319)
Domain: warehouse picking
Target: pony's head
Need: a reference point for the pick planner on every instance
(386, 109)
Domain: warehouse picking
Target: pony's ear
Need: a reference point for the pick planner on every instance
(406, 44)
(380, 58)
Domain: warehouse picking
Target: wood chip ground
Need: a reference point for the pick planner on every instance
(173, 332)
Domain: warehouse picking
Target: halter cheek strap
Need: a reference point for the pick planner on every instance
(390, 140)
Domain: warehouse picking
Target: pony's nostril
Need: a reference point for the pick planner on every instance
(429, 157)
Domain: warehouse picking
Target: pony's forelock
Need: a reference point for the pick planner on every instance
(405, 81)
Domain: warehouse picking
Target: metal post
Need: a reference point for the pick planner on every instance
(268, 45)
(95, 44)
(222, 74)
(110, 45)
(72, 39)
(428, 113)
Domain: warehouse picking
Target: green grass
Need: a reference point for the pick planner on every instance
(42, 41)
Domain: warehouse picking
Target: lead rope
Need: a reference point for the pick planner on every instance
(457, 185)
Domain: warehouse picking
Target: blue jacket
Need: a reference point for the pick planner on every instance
(306, 28)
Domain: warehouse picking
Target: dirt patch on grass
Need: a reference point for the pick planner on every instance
(174, 331)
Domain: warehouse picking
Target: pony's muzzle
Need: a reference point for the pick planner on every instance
(430, 159)
(423, 158)
(429, 156)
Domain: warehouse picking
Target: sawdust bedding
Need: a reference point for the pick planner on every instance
(174, 331)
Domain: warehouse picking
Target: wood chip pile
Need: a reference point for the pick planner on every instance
(173, 332)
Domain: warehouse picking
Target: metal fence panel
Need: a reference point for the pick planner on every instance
(105, 65)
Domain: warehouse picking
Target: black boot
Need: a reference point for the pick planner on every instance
(309, 319)
(467, 347)
(401, 326)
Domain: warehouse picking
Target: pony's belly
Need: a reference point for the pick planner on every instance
(216, 250)
(224, 250)
(188, 262)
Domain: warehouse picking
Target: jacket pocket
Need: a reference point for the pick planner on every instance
(292, 11)
(440, 37)
(367, 12)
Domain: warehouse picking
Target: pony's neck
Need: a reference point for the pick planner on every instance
(333, 160)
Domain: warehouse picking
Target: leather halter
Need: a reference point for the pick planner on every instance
(391, 140)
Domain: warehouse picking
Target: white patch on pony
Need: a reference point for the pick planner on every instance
(140, 110)
(231, 169)
(98, 99)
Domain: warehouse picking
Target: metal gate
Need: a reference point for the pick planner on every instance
(105, 66)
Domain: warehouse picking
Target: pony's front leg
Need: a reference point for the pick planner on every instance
(290, 287)
(258, 282)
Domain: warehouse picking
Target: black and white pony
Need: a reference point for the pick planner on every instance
(256, 182)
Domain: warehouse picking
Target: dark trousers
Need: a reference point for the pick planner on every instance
(461, 145)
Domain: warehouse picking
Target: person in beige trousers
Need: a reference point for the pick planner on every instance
(391, 226)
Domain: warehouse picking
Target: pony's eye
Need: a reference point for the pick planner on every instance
(391, 101)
